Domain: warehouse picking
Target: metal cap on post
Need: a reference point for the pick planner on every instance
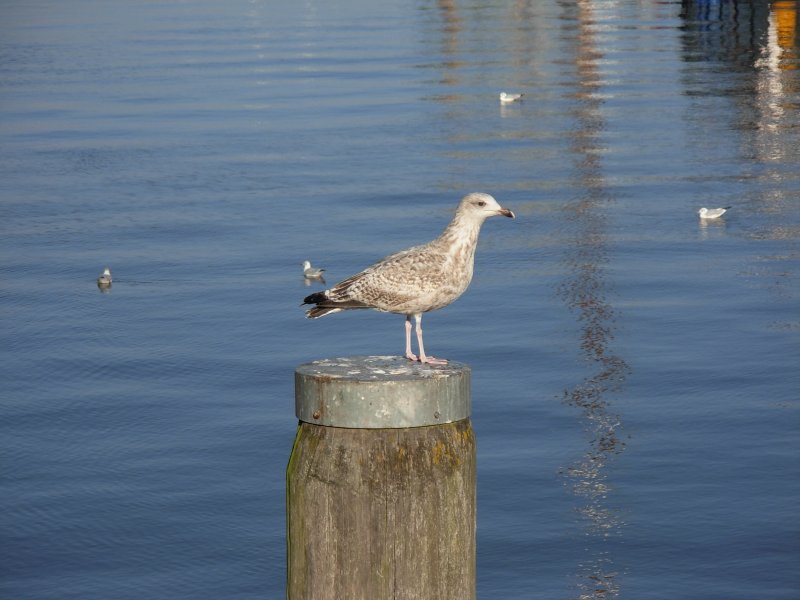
(381, 392)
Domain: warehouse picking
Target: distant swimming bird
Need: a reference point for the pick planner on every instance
(419, 279)
(712, 213)
(310, 272)
(105, 278)
(508, 98)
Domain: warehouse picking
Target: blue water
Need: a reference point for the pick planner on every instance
(636, 389)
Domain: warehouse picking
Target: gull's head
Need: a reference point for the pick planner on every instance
(306, 265)
(702, 211)
(482, 206)
(107, 272)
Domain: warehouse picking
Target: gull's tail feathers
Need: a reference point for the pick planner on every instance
(325, 306)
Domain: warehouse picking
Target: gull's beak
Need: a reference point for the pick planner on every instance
(506, 213)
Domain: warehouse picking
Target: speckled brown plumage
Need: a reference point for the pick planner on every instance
(417, 280)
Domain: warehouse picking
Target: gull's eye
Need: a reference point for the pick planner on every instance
(481, 203)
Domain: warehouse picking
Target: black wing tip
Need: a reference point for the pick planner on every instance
(315, 298)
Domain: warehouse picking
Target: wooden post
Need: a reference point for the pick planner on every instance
(381, 482)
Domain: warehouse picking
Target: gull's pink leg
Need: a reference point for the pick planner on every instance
(422, 358)
(409, 354)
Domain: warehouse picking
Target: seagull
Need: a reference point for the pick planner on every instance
(417, 280)
(310, 272)
(105, 278)
(712, 213)
(508, 98)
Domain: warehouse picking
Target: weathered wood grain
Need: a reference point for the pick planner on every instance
(382, 513)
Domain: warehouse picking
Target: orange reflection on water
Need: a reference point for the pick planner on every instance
(785, 19)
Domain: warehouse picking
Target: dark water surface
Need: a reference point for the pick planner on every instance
(636, 372)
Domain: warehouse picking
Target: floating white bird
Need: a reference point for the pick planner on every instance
(105, 278)
(712, 213)
(310, 272)
(508, 98)
(419, 279)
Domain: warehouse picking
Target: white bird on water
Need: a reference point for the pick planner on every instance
(419, 279)
(105, 278)
(310, 272)
(712, 213)
(508, 98)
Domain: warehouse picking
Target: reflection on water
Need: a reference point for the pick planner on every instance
(774, 115)
(584, 291)
(450, 35)
(711, 228)
(756, 43)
